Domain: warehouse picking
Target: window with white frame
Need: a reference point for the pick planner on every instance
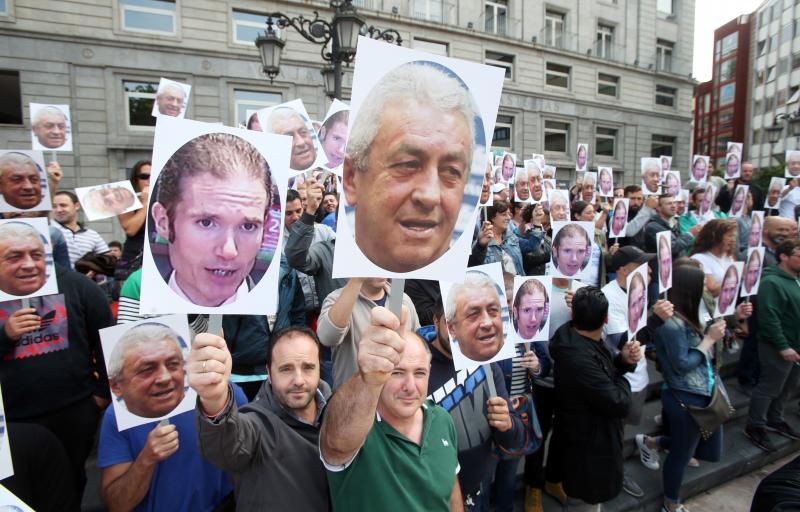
(664, 51)
(605, 40)
(139, 99)
(503, 132)
(496, 16)
(556, 136)
(248, 26)
(430, 10)
(608, 85)
(605, 141)
(662, 145)
(666, 96)
(554, 23)
(246, 102)
(501, 60)
(557, 75)
(431, 47)
(148, 16)
(665, 7)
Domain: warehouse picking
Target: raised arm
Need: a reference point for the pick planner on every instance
(132, 222)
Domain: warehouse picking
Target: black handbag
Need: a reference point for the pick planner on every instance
(715, 414)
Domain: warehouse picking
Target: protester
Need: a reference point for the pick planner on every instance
(790, 199)
(270, 446)
(714, 248)
(80, 239)
(684, 354)
(133, 222)
(503, 245)
(639, 213)
(583, 211)
(725, 196)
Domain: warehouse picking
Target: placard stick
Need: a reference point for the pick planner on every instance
(55, 158)
(26, 303)
(215, 324)
(164, 422)
(395, 301)
(485, 214)
(490, 380)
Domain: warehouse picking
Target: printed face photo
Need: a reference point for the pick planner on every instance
(530, 309)
(333, 137)
(588, 186)
(672, 183)
(666, 163)
(549, 172)
(637, 303)
(171, 99)
(699, 168)
(146, 364)
(756, 229)
(727, 295)
(475, 317)
(559, 207)
(108, 200)
(534, 180)
(739, 198)
(735, 147)
(792, 164)
(291, 119)
(752, 271)
(664, 262)
(619, 218)
(572, 248)
(732, 165)
(406, 179)
(522, 193)
(23, 181)
(508, 164)
(50, 127)
(708, 199)
(774, 192)
(208, 209)
(651, 175)
(486, 187)
(26, 263)
(606, 179)
(581, 157)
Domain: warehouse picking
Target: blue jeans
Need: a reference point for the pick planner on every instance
(684, 440)
(505, 479)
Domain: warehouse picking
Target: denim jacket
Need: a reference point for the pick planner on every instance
(684, 366)
(514, 245)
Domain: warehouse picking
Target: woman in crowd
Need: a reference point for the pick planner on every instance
(685, 356)
(133, 223)
(715, 247)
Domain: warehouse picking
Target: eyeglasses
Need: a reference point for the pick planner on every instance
(143, 176)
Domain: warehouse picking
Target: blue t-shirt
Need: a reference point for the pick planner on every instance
(330, 220)
(183, 482)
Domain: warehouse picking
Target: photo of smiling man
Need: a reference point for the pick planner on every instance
(522, 192)
(23, 182)
(51, 128)
(700, 168)
(792, 169)
(651, 176)
(535, 180)
(109, 200)
(572, 249)
(26, 259)
(531, 308)
(146, 363)
(416, 130)
(172, 99)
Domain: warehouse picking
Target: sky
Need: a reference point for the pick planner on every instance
(710, 15)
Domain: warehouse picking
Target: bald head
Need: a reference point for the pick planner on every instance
(778, 230)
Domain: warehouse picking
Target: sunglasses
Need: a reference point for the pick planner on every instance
(143, 176)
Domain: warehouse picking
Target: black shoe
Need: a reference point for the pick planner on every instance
(784, 429)
(759, 437)
(632, 487)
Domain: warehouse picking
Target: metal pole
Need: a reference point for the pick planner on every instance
(337, 78)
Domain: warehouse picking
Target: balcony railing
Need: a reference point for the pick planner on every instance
(437, 11)
(561, 40)
(608, 51)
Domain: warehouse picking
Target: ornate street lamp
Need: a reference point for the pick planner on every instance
(341, 32)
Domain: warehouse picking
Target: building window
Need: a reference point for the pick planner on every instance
(432, 47)
(554, 23)
(762, 48)
(662, 145)
(10, 97)
(727, 94)
(139, 98)
(503, 132)
(707, 102)
(605, 41)
(796, 61)
(501, 60)
(556, 136)
(666, 96)
(3, 7)
(772, 42)
(665, 7)
(248, 26)
(246, 102)
(771, 74)
(725, 120)
(605, 141)
(727, 70)
(430, 10)
(664, 55)
(496, 14)
(783, 65)
(608, 85)
(149, 16)
(730, 43)
(557, 75)
(786, 33)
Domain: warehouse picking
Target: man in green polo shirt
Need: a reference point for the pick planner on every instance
(384, 446)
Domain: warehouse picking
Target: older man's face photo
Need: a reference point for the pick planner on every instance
(793, 164)
(51, 130)
(171, 100)
(217, 231)
(478, 323)
(21, 184)
(109, 201)
(651, 176)
(535, 183)
(152, 380)
(408, 198)
(304, 154)
(22, 263)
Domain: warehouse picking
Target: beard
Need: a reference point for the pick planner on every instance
(632, 211)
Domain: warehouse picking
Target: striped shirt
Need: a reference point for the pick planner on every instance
(520, 384)
(82, 241)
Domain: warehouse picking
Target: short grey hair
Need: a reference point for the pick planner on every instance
(474, 279)
(17, 230)
(521, 174)
(45, 111)
(139, 335)
(419, 81)
(279, 114)
(174, 87)
(16, 159)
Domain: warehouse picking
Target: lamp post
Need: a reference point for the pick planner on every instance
(341, 32)
(775, 131)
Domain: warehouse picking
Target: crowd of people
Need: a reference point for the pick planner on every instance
(336, 403)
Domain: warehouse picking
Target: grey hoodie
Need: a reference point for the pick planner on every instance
(271, 456)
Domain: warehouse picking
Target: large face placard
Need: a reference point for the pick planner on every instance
(332, 135)
(292, 120)
(664, 239)
(108, 200)
(23, 182)
(619, 218)
(530, 310)
(26, 259)
(651, 176)
(214, 219)
(729, 289)
(572, 249)
(415, 163)
(637, 300)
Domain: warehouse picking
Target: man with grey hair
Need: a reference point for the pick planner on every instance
(409, 157)
(475, 317)
(49, 126)
(23, 267)
(170, 100)
(20, 180)
(286, 121)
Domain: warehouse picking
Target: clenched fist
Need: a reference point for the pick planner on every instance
(21, 322)
(210, 371)
(381, 346)
(162, 442)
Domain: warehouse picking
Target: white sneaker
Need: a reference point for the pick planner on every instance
(648, 456)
